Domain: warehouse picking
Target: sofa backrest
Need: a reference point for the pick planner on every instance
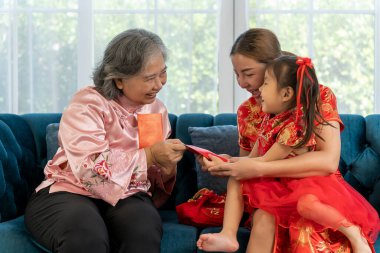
(360, 155)
(186, 184)
(23, 156)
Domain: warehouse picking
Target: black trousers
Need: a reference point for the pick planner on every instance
(66, 222)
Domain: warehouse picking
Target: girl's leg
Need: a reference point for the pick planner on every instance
(311, 208)
(263, 231)
(66, 222)
(233, 210)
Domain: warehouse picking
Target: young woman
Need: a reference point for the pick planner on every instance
(290, 101)
(250, 54)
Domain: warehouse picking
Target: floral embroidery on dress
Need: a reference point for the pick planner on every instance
(328, 106)
(304, 236)
(100, 173)
(102, 168)
(136, 181)
(249, 116)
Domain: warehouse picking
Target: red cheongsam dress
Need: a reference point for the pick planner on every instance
(249, 118)
(343, 206)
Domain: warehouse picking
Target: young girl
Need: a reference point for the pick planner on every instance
(290, 97)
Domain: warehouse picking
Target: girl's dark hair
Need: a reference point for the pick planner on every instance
(125, 56)
(284, 69)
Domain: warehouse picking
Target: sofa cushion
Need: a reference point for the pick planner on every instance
(17, 167)
(178, 238)
(353, 140)
(374, 199)
(51, 140)
(15, 238)
(220, 140)
(368, 163)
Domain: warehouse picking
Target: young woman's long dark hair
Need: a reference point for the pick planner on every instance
(299, 74)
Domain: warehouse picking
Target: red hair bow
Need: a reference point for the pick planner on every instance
(302, 63)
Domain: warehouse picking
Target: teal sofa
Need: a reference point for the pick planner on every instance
(23, 155)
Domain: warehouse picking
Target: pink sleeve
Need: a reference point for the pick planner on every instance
(160, 191)
(103, 171)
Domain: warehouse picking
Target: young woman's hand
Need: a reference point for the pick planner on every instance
(205, 163)
(237, 168)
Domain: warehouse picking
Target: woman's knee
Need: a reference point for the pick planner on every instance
(83, 239)
(65, 222)
(135, 226)
(82, 231)
(263, 222)
(306, 204)
(147, 224)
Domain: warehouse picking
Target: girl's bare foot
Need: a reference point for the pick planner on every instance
(217, 242)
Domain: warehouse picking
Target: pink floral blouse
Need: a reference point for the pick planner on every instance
(99, 153)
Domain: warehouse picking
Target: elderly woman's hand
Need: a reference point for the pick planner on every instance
(166, 154)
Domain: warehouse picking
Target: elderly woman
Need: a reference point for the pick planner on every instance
(115, 162)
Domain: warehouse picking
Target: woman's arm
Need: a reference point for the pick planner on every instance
(243, 152)
(321, 162)
(254, 151)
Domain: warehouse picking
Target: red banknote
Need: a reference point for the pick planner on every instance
(204, 152)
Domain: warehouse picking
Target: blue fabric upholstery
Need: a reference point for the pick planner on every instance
(18, 174)
(178, 238)
(23, 155)
(222, 139)
(373, 142)
(51, 140)
(186, 185)
(37, 123)
(360, 161)
(15, 238)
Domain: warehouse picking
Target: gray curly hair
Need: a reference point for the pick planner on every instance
(125, 56)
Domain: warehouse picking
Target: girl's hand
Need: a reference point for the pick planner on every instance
(242, 168)
(205, 163)
(234, 159)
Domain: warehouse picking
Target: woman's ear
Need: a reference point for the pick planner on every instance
(119, 83)
(287, 93)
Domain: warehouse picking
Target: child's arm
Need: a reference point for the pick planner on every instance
(277, 152)
(206, 164)
(254, 151)
(317, 163)
(243, 166)
(243, 152)
(321, 162)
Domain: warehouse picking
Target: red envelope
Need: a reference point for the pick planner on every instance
(149, 129)
(204, 152)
